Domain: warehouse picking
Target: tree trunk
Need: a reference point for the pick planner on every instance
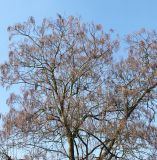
(71, 148)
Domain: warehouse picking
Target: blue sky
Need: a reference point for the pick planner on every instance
(124, 16)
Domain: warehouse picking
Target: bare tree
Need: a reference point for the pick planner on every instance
(75, 101)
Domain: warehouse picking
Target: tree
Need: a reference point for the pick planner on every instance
(75, 101)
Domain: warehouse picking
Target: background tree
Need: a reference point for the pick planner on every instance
(75, 101)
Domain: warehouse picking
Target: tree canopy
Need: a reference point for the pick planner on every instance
(74, 100)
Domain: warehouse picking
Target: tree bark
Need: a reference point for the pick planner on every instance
(71, 148)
